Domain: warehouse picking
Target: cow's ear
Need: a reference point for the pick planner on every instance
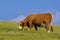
(22, 22)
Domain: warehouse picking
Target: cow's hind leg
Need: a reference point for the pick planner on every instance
(47, 27)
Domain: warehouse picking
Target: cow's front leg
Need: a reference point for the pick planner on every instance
(35, 27)
(30, 25)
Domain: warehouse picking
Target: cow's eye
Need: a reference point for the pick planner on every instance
(20, 24)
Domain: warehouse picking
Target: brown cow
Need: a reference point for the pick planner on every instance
(36, 20)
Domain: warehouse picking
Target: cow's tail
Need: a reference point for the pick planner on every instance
(51, 24)
(51, 28)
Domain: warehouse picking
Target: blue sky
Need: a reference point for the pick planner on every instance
(10, 9)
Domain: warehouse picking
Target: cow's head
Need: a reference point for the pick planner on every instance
(21, 25)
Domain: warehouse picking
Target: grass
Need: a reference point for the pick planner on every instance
(9, 31)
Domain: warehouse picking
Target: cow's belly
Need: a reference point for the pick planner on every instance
(37, 23)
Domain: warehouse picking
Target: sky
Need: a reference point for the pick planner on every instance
(18, 9)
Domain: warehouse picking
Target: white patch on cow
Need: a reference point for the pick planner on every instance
(48, 31)
(20, 27)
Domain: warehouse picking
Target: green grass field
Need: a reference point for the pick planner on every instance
(9, 31)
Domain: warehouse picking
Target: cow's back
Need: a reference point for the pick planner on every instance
(38, 18)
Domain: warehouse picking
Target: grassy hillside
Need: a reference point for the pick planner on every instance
(9, 31)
